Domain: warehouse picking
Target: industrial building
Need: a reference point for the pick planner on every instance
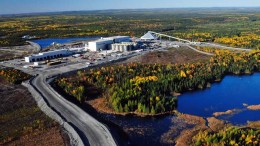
(149, 36)
(123, 47)
(105, 43)
(48, 55)
(100, 44)
(118, 39)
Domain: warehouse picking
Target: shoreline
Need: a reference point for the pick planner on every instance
(253, 107)
(38, 48)
(193, 130)
(105, 109)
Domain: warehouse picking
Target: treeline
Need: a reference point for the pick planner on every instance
(14, 76)
(232, 136)
(235, 28)
(149, 88)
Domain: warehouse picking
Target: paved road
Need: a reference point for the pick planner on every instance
(223, 47)
(91, 131)
(13, 50)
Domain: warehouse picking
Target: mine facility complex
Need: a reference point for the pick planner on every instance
(94, 52)
(113, 44)
(64, 59)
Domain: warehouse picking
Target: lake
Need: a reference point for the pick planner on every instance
(231, 93)
(47, 42)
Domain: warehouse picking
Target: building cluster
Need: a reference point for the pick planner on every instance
(108, 43)
(115, 43)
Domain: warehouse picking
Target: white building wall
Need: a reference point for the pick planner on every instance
(106, 43)
(92, 46)
(47, 55)
(27, 59)
(99, 45)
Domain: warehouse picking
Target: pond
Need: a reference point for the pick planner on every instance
(231, 93)
(47, 42)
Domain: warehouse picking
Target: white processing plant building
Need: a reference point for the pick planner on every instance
(106, 43)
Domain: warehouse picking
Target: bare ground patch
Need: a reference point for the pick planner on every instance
(172, 56)
(228, 112)
(254, 107)
(22, 122)
(7, 53)
(48, 137)
(255, 124)
(186, 126)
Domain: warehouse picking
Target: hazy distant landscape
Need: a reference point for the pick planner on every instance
(231, 26)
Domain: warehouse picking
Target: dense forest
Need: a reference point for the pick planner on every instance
(234, 27)
(230, 136)
(149, 88)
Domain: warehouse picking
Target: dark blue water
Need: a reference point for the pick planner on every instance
(47, 42)
(143, 130)
(231, 93)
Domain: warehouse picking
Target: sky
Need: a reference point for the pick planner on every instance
(31, 6)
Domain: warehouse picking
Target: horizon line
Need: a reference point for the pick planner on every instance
(45, 12)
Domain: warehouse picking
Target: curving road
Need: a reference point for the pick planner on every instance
(90, 130)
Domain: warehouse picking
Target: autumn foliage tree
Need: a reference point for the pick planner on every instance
(13, 75)
(149, 88)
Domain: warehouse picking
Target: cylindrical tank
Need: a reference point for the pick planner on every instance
(125, 48)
